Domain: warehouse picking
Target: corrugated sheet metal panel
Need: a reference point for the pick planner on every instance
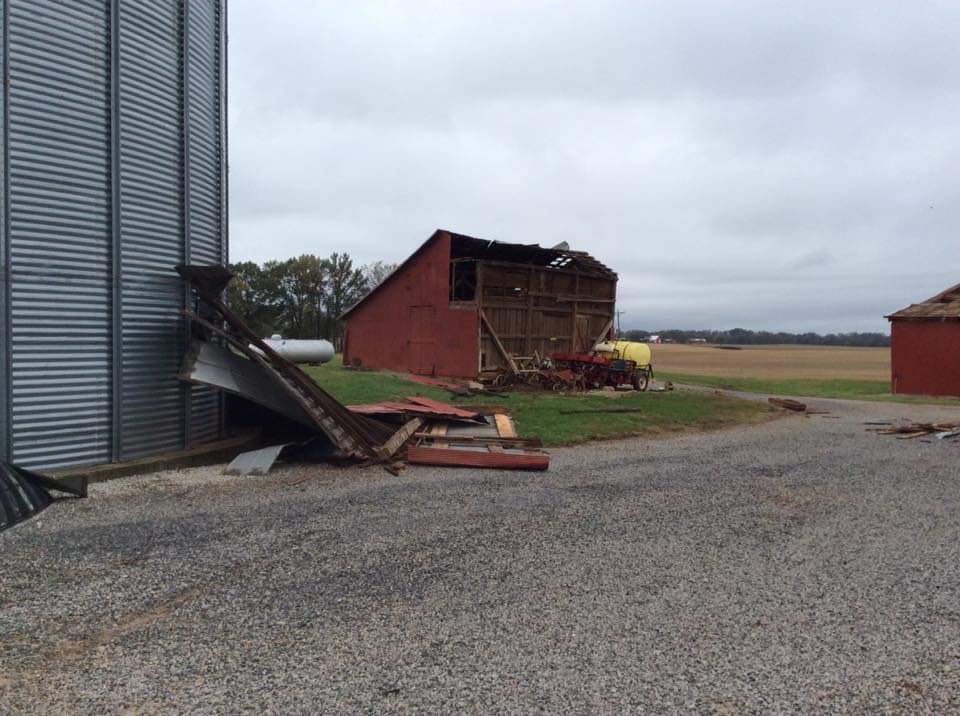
(75, 273)
(4, 329)
(205, 168)
(60, 229)
(151, 201)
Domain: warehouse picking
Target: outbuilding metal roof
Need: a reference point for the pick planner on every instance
(463, 246)
(944, 306)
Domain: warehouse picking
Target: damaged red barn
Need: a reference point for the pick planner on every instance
(461, 306)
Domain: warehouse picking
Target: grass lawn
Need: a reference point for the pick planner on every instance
(878, 390)
(559, 419)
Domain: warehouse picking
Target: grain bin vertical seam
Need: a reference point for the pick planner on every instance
(116, 265)
(186, 388)
(5, 386)
(224, 164)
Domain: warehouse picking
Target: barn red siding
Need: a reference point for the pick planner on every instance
(408, 323)
(925, 357)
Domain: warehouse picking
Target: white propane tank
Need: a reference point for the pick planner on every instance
(301, 351)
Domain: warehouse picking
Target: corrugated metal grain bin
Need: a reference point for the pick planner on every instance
(114, 165)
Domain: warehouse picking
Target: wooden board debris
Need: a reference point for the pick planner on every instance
(399, 438)
(505, 426)
(910, 431)
(788, 404)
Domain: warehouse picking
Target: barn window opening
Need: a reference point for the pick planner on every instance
(507, 293)
(463, 280)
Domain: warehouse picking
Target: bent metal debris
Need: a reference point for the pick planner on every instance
(227, 354)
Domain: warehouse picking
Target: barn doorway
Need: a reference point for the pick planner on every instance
(422, 343)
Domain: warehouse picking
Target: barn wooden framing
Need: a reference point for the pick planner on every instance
(533, 300)
(462, 306)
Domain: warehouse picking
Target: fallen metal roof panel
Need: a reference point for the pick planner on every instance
(23, 494)
(353, 434)
(209, 364)
(255, 462)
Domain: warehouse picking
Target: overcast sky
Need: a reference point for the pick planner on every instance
(764, 165)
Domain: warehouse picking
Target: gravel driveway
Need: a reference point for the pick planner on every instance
(802, 565)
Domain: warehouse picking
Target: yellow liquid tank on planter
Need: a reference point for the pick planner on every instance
(639, 353)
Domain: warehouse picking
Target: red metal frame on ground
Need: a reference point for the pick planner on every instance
(419, 455)
(592, 369)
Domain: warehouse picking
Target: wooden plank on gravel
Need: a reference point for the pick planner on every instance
(439, 430)
(483, 440)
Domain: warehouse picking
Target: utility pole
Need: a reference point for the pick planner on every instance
(619, 313)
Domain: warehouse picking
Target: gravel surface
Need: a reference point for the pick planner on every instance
(801, 565)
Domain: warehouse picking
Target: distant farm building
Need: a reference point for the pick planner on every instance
(459, 306)
(925, 346)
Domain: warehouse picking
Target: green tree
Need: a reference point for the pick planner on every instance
(250, 296)
(345, 286)
(298, 285)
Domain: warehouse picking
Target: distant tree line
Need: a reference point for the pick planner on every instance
(742, 336)
(301, 297)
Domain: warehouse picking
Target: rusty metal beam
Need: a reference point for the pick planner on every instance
(450, 457)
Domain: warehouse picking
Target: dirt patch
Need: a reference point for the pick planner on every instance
(911, 686)
(791, 501)
(72, 650)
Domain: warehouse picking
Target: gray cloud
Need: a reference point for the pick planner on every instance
(740, 164)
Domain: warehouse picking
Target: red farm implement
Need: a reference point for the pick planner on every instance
(596, 371)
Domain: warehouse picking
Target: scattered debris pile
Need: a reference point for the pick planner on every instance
(788, 404)
(275, 379)
(227, 355)
(795, 406)
(941, 431)
(23, 494)
(416, 406)
(457, 437)
(456, 386)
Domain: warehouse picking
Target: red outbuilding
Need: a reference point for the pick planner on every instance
(459, 306)
(925, 346)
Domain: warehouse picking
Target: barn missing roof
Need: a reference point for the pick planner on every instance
(460, 306)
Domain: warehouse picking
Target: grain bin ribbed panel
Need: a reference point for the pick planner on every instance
(204, 113)
(151, 200)
(113, 157)
(60, 232)
(5, 385)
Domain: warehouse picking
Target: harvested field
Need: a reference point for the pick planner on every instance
(775, 362)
